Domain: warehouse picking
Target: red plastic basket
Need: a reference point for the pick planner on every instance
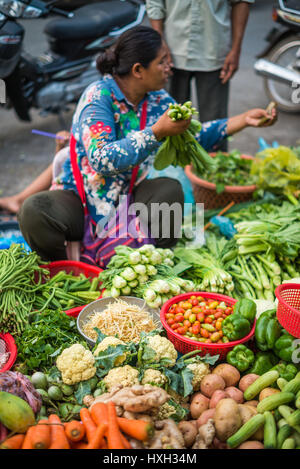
(11, 348)
(76, 268)
(288, 309)
(185, 345)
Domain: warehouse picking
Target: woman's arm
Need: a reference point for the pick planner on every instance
(250, 119)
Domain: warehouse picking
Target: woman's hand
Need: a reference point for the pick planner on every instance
(260, 118)
(165, 127)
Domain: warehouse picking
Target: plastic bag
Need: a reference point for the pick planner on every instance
(225, 225)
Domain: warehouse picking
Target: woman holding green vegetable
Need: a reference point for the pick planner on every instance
(119, 125)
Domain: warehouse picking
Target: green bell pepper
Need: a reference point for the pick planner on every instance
(235, 327)
(284, 347)
(286, 371)
(241, 357)
(246, 308)
(264, 361)
(267, 330)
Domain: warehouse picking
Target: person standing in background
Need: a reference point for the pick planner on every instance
(204, 38)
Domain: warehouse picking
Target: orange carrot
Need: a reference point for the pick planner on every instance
(27, 444)
(88, 423)
(114, 439)
(75, 430)
(104, 444)
(138, 429)
(79, 445)
(41, 435)
(14, 442)
(126, 443)
(58, 436)
(97, 440)
(99, 413)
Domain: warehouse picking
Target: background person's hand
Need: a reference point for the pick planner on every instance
(165, 127)
(253, 118)
(230, 66)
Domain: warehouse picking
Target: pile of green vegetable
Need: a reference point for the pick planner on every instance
(183, 149)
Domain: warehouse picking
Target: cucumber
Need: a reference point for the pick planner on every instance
(289, 443)
(294, 418)
(286, 412)
(270, 431)
(292, 386)
(284, 432)
(281, 382)
(261, 383)
(297, 403)
(15, 413)
(247, 430)
(274, 401)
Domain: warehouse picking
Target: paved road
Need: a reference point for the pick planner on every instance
(23, 155)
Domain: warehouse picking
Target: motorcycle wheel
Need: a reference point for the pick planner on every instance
(287, 54)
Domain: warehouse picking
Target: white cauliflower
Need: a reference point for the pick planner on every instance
(163, 348)
(199, 371)
(111, 341)
(125, 375)
(76, 364)
(165, 411)
(154, 377)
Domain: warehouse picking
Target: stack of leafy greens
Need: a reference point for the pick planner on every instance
(231, 170)
(278, 170)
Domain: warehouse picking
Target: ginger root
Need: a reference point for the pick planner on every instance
(167, 436)
(205, 436)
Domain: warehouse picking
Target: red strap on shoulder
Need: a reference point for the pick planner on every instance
(142, 126)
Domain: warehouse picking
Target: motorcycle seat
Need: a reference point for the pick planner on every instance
(92, 21)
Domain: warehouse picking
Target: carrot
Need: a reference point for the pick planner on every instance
(14, 442)
(88, 423)
(104, 444)
(41, 435)
(138, 429)
(58, 436)
(75, 430)
(27, 444)
(79, 445)
(99, 413)
(97, 440)
(126, 443)
(114, 439)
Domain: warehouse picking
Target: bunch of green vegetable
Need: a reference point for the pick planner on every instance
(183, 149)
(231, 170)
(145, 272)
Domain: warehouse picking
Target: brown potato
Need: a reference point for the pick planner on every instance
(205, 416)
(229, 373)
(211, 383)
(246, 380)
(267, 392)
(227, 419)
(245, 413)
(189, 432)
(259, 434)
(251, 445)
(252, 403)
(199, 404)
(216, 397)
(236, 394)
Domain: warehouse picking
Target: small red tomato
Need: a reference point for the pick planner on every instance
(170, 316)
(196, 309)
(204, 333)
(195, 302)
(181, 330)
(200, 317)
(179, 318)
(187, 323)
(208, 320)
(218, 314)
(171, 321)
(228, 311)
(175, 326)
(196, 329)
(179, 310)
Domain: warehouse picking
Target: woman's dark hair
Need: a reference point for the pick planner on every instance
(137, 45)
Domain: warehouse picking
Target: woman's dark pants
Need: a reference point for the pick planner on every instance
(51, 218)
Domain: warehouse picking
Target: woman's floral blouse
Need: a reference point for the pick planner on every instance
(110, 143)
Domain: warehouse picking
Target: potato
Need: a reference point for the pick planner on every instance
(227, 418)
(267, 392)
(251, 410)
(236, 394)
(229, 373)
(251, 445)
(217, 444)
(189, 432)
(252, 403)
(211, 383)
(247, 380)
(245, 413)
(205, 416)
(199, 404)
(216, 397)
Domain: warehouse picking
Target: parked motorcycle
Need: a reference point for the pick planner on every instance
(58, 77)
(279, 63)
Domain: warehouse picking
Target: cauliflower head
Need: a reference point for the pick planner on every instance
(111, 341)
(199, 371)
(76, 364)
(125, 375)
(154, 377)
(165, 411)
(163, 348)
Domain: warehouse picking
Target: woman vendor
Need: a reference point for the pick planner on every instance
(118, 125)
